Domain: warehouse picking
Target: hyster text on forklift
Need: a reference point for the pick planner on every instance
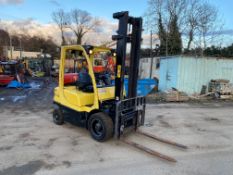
(100, 103)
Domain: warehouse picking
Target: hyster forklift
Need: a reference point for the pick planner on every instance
(100, 103)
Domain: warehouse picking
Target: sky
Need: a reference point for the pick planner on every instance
(38, 12)
(41, 9)
(225, 10)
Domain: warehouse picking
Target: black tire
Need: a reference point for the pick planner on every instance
(100, 126)
(58, 117)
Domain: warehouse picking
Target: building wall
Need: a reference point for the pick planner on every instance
(189, 74)
(16, 54)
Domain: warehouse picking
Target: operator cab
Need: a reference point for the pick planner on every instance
(102, 64)
(86, 78)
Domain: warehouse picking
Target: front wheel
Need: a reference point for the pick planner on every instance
(100, 126)
(58, 116)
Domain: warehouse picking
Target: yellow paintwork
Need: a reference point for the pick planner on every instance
(1, 69)
(119, 71)
(39, 74)
(106, 93)
(72, 97)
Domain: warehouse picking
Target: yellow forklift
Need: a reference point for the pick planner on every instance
(99, 103)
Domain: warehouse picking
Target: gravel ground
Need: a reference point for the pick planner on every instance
(32, 144)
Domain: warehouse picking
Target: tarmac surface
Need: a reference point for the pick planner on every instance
(30, 144)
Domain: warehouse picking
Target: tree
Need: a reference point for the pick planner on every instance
(214, 51)
(4, 37)
(4, 40)
(167, 18)
(206, 21)
(203, 22)
(193, 12)
(190, 19)
(28, 43)
(62, 19)
(174, 37)
(162, 37)
(82, 23)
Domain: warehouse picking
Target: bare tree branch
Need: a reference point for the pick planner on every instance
(82, 23)
(206, 21)
(197, 20)
(62, 19)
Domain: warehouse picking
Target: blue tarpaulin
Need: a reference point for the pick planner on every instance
(16, 84)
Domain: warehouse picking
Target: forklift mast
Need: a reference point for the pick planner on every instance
(122, 39)
(130, 111)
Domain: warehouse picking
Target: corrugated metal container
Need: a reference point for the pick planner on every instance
(189, 74)
(145, 66)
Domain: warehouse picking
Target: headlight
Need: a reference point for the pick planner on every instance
(90, 52)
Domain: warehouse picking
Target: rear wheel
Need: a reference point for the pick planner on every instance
(58, 116)
(100, 126)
